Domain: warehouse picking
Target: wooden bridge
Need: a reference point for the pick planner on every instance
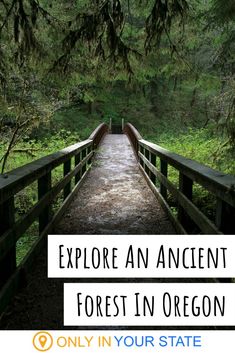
(109, 198)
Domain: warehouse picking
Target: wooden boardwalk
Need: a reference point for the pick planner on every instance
(112, 197)
(115, 198)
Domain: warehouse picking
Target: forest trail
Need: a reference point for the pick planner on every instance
(115, 198)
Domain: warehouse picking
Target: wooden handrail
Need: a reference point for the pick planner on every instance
(221, 185)
(16, 180)
(98, 134)
(133, 135)
(134, 131)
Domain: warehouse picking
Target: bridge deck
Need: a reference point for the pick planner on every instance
(115, 198)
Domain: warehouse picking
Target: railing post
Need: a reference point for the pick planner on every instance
(44, 185)
(186, 187)
(7, 219)
(89, 149)
(164, 171)
(110, 125)
(67, 169)
(84, 154)
(153, 160)
(123, 124)
(146, 153)
(225, 215)
(77, 161)
(141, 148)
(137, 148)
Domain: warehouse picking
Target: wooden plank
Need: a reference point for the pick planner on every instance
(10, 289)
(225, 217)
(141, 150)
(186, 187)
(89, 150)
(15, 282)
(97, 130)
(123, 123)
(7, 219)
(220, 184)
(153, 161)
(164, 171)
(133, 136)
(13, 234)
(134, 143)
(133, 130)
(146, 154)
(65, 204)
(178, 227)
(44, 185)
(7, 242)
(77, 161)
(67, 170)
(84, 153)
(198, 217)
(21, 177)
(98, 134)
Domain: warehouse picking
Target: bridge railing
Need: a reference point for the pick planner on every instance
(134, 136)
(222, 186)
(40, 171)
(98, 134)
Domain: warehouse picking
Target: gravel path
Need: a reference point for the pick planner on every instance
(114, 199)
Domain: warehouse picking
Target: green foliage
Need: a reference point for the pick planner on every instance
(224, 10)
(200, 145)
(30, 149)
(204, 147)
(66, 66)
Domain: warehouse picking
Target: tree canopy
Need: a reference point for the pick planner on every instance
(162, 59)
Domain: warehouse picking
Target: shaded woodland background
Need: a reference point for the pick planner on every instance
(167, 66)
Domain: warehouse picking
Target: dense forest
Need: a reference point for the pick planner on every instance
(167, 66)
